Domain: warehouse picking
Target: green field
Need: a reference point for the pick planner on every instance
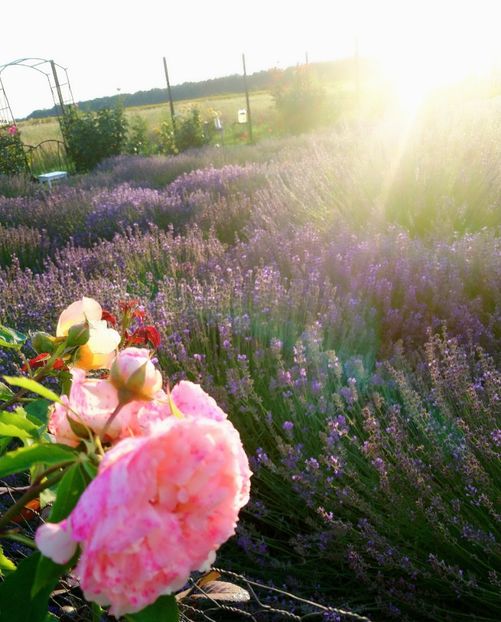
(34, 131)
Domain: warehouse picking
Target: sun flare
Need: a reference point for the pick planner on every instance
(440, 50)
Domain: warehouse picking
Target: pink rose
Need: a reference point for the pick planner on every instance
(189, 399)
(133, 373)
(159, 508)
(90, 403)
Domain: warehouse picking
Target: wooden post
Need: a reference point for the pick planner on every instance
(58, 87)
(171, 103)
(249, 120)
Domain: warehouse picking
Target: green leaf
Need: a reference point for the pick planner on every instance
(10, 338)
(16, 602)
(4, 444)
(90, 470)
(5, 392)
(97, 612)
(68, 493)
(33, 386)
(79, 429)
(9, 429)
(6, 565)
(47, 573)
(24, 458)
(38, 411)
(51, 618)
(47, 496)
(164, 609)
(16, 424)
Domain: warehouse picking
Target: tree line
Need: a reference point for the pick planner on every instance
(331, 71)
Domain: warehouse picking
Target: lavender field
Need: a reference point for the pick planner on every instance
(339, 294)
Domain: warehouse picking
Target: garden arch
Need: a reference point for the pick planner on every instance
(61, 90)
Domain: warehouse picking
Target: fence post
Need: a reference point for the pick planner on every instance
(171, 103)
(249, 120)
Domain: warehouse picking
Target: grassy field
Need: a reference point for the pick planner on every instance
(34, 131)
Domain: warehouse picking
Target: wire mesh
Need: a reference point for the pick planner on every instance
(218, 596)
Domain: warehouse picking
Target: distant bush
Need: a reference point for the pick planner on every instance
(92, 137)
(137, 139)
(12, 157)
(300, 101)
(189, 132)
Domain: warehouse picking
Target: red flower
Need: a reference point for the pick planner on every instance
(40, 360)
(109, 317)
(128, 305)
(142, 336)
(153, 336)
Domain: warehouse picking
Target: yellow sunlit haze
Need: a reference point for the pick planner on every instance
(437, 45)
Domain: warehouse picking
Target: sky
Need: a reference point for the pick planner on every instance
(111, 46)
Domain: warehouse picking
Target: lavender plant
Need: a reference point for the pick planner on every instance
(343, 305)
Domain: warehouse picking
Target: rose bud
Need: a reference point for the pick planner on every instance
(134, 375)
(78, 335)
(42, 342)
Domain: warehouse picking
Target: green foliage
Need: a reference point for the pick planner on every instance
(22, 459)
(16, 601)
(12, 157)
(164, 608)
(300, 101)
(69, 490)
(167, 140)
(137, 138)
(17, 425)
(10, 338)
(38, 411)
(6, 565)
(190, 132)
(33, 386)
(92, 137)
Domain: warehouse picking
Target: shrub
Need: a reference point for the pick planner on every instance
(92, 137)
(12, 156)
(190, 132)
(300, 101)
(137, 138)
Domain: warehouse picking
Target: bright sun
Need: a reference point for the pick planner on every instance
(437, 49)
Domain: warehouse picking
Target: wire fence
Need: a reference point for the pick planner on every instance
(217, 596)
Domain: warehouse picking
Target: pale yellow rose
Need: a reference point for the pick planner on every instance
(100, 350)
(84, 310)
